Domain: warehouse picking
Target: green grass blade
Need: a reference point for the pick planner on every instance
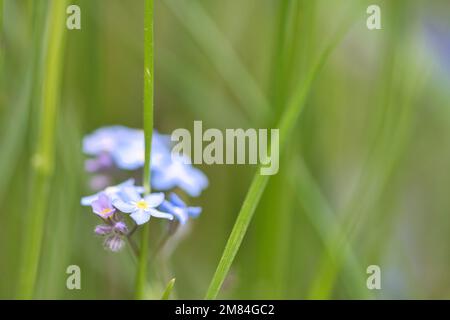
(141, 277)
(168, 290)
(273, 236)
(237, 234)
(43, 160)
(259, 183)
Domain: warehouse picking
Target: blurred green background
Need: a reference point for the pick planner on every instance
(370, 154)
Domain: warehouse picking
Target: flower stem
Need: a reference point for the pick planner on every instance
(2, 49)
(141, 277)
(43, 160)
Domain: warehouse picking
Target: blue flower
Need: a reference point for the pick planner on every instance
(113, 192)
(140, 208)
(126, 148)
(178, 173)
(131, 155)
(179, 209)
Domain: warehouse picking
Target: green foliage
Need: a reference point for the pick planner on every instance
(363, 177)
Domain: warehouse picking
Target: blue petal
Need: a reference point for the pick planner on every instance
(129, 194)
(159, 214)
(194, 211)
(130, 155)
(140, 216)
(162, 181)
(180, 213)
(176, 200)
(123, 206)
(155, 199)
(86, 201)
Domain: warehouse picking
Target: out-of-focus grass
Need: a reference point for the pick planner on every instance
(43, 159)
(217, 48)
(368, 161)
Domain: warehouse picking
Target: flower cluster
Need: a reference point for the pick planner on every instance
(118, 147)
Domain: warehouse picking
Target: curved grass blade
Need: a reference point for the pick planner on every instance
(259, 183)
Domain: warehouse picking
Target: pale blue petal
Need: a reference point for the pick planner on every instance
(159, 214)
(162, 181)
(123, 206)
(87, 201)
(194, 211)
(130, 194)
(176, 200)
(127, 183)
(129, 156)
(155, 199)
(181, 214)
(140, 216)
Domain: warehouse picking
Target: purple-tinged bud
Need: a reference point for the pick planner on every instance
(114, 243)
(121, 227)
(103, 230)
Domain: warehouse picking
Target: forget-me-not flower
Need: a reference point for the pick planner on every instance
(109, 139)
(112, 192)
(141, 208)
(125, 147)
(102, 206)
(179, 209)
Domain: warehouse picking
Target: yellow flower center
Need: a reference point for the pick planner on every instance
(142, 204)
(105, 211)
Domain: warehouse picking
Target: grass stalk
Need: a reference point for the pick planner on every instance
(43, 160)
(169, 289)
(141, 277)
(273, 231)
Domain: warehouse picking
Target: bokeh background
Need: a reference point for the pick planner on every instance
(370, 154)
